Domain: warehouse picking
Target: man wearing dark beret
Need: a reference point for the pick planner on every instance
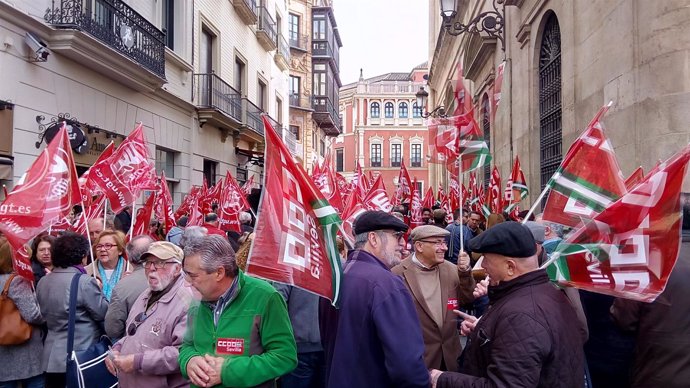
(530, 335)
(438, 287)
(377, 340)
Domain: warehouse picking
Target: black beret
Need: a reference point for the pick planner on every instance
(509, 239)
(377, 220)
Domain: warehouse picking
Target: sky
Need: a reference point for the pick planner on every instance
(381, 36)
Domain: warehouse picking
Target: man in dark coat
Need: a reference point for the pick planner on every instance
(530, 335)
(377, 342)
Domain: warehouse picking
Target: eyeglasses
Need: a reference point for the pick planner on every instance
(397, 235)
(157, 264)
(138, 320)
(104, 246)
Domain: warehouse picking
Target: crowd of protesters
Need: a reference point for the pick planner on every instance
(448, 304)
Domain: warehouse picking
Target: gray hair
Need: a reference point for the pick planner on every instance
(191, 233)
(245, 218)
(214, 252)
(362, 238)
(136, 247)
(556, 228)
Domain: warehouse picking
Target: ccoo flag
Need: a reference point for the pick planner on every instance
(296, 227)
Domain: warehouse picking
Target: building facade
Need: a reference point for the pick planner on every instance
(197, 74)
(382, 125)
(314, 81)
(564, 60)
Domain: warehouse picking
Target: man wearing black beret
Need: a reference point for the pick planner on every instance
(530, 335)
(377, 340)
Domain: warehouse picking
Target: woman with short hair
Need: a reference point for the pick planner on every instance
(110, 265)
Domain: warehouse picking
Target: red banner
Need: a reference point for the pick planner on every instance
(143, 217)
(296, 227)
(377, 198)
(232, 203)
(163, 208)
(416, 208)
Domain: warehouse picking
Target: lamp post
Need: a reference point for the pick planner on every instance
(422, 96)
(489, 22)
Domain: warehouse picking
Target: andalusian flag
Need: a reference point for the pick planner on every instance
(516, 188)
(473, 150)
(296, 227)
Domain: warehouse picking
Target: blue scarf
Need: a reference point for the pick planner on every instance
(109, 284)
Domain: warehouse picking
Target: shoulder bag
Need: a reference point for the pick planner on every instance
(14, 330)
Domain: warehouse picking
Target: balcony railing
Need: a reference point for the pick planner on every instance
(213, 92)
(299, 42)
(116, 25)
(252, 116)
(247, 10)
(326, 115)
(267, 26)
(392, 87)
(298, 101)
(283, 48)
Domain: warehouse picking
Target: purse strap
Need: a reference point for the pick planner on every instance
(73, 289)
(6, 289)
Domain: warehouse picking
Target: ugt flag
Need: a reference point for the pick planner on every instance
(296, 227)
(629, 249)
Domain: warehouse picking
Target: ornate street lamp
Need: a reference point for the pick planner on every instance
(489, 22)
(422, 97)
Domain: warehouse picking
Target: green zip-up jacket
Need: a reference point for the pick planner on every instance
(254, 335)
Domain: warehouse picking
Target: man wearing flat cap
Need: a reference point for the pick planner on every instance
(438, 287)
(147, 355)
(530, 335)
(377, 340)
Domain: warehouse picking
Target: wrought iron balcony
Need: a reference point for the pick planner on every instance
(326, 116)
(213, 92)
(266, 30)
(251, 117)
(247, 10)
(116, 25)
(301, 102)
(299, 42)
(282, 57)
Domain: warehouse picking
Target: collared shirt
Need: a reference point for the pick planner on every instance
(225, 299)
(417, 262)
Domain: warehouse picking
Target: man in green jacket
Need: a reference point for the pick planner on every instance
(239, 335)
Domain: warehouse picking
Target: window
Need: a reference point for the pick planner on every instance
(486, 127)
(279, 110)
(396, 154)
(294, 86)
(375, 155)
(210, 171)
(550, 139)
(322, 147)
(319, 27)
(375, 110)
(419, 188)
(339, 161)
(261, 96)
(320, 84)
(169, 23)
(416, 111)
(239, 75)
(388, 110)
(241, 176)
(295, 131)
(416, 155)
(206, 51)
(165, 162)
(402, 110)
(313, 140)
(293, 29)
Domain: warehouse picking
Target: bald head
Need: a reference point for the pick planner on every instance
(137, 247)
(95, 228)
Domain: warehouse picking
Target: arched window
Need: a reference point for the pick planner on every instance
(388, 110)
(416, 111)
(550, 139)
(486, 128)
(402, 110)
(375, 110)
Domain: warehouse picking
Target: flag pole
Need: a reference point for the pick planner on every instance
(105, 212)
(534, 205)
(551, 260)
(131, 223)
(462, 228)
(88, 237)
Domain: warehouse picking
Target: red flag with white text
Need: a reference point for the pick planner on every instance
(376, 198)
(232, 203)
(296, 227)
(403, 192)
(516, 188)
(353, 208)
(143, 216)
(634, 179)
(89, 189)
(428, 201)
(495, 187)
(416, 208)
(163, 208)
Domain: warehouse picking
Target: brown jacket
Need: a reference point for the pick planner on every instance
(441, 344)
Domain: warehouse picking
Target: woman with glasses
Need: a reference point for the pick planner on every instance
(53, 294)
(147, 355)
(110, 265)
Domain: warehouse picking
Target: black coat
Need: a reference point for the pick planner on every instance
(529, 337)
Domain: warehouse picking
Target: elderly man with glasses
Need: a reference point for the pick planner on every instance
(438, 287)
(376, 340)
(147, 355)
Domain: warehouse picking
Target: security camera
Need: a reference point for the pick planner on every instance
(39, 49)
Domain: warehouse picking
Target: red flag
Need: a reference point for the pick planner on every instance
(587, 181)
(126, 172)
(212, 196)
(163, 207)
(325, 180)
(454, 193)
(376, 198)
(498, 83)
(89, 189)
(143, 217)
(462, 100)
(353, 208)
(232, 203)
(403, 191)
(44, 195)
(248, 186)
(428, 201)
(91, 212)
(634, 179)
(629, 249)
(516, 188)
(496, 204)
(465, 197)
(296, 228)
(196, 217)
(360, 182)
(416, 208)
